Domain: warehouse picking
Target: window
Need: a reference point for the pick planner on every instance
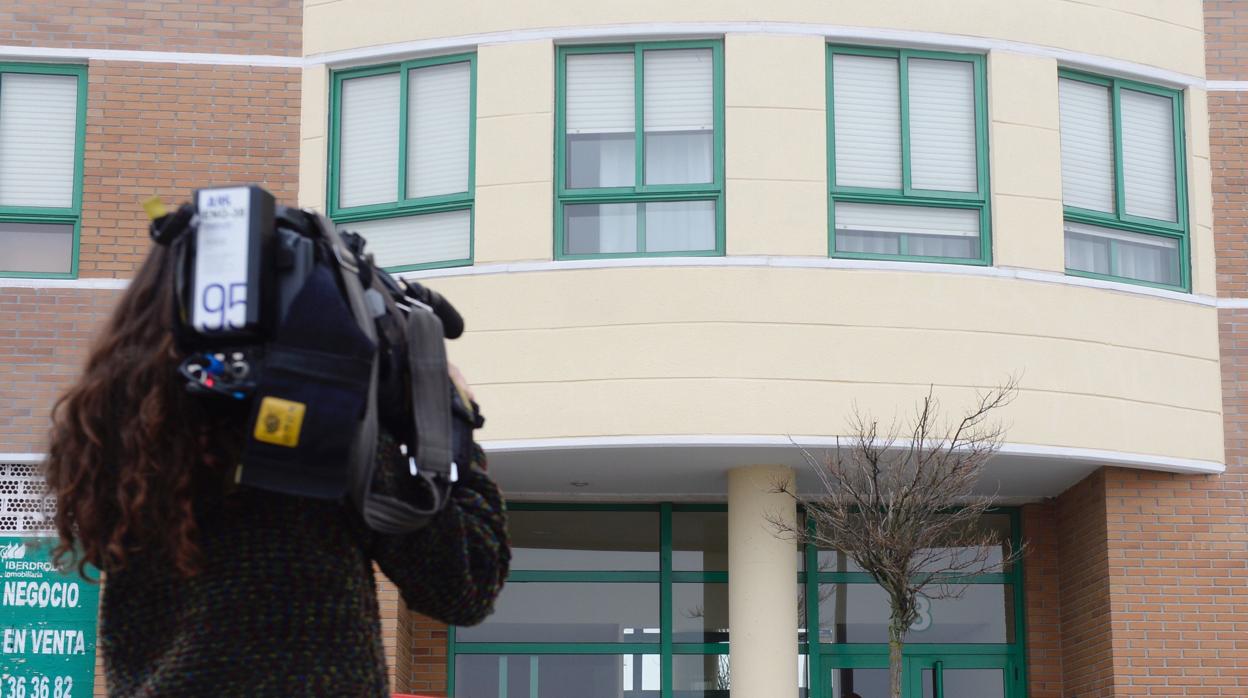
(605, 601)
(42, 111)
(639, 151)
(908, 166)
(1123, 181)
(401, 160)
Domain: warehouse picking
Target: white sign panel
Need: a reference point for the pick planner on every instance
(221, 260)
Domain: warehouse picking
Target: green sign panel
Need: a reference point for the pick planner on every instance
(47, 624)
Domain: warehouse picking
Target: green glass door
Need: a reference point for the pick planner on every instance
(960, 676)
(923, 676)
(855, 677)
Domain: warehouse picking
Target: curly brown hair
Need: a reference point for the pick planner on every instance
(130, 452)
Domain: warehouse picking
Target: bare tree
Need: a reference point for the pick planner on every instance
(903, 506)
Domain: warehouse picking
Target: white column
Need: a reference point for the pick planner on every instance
(762, 584)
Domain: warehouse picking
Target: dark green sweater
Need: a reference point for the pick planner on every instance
(286, 604)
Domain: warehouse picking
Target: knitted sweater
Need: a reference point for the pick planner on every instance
(286, 603)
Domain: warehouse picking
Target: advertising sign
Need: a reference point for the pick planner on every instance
(47, 624)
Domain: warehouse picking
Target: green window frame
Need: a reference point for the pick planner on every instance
(907, 194)
(1176, 230)
(404, 206)
(640, 192)
(664, 578)
(71, 215)
(1010, 657)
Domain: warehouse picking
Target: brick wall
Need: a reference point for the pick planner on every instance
(1087, 659)
(428, 660)
(272, 27)
(158, 128)
(45, 332)
(1042, 593)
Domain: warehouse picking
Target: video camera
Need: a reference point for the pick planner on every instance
(278, 313)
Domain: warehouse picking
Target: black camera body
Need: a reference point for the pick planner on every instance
(279, 314)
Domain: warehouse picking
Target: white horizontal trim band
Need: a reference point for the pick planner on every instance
(831, 32)
(1227, 85)
(93, 284)
(1133, 460)
(898, 37)
(1233, 303)
(1088, 455)
(81, 55)
(740, 262)
(814, 263)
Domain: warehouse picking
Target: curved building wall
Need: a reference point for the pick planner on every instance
(774, 338)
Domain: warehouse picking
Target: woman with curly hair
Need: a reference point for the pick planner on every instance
(221, 590)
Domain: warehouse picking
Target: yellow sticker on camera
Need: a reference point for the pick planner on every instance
(279, 421)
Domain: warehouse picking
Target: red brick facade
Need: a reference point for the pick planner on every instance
(160, 128)
(267, 27)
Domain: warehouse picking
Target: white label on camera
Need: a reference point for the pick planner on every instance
(221, 260)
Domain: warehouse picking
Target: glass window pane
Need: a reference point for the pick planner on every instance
(439, 105)
(38, 139)
(584, 540)
(1087, 131)
(1087, 253)
(956, 559)
(866, 100)
(700, 676)
(908, 230)
(557, 676)
(700, 541)
(36, 247)
(700, 613)
(858, 613)
(432, 237)
(973, 683)
(680, 226)
(571, 612)
(942, 125)
(601, 120)
(859, 683)
(999, 525)
(600, 160)
(1148, 155)
(679, 116)
(599, 228)
(1121, 253)
(368, 167)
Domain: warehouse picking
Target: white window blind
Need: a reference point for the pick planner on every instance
(942, 125)
(438, 109)
(1148, 155)
(1087, 145)
(432, 237)
(679, 90)
(600, 96)
(38, 133)
(917, 220)
(368, 165)
(866, 121)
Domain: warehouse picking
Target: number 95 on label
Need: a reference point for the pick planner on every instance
(37, 686)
